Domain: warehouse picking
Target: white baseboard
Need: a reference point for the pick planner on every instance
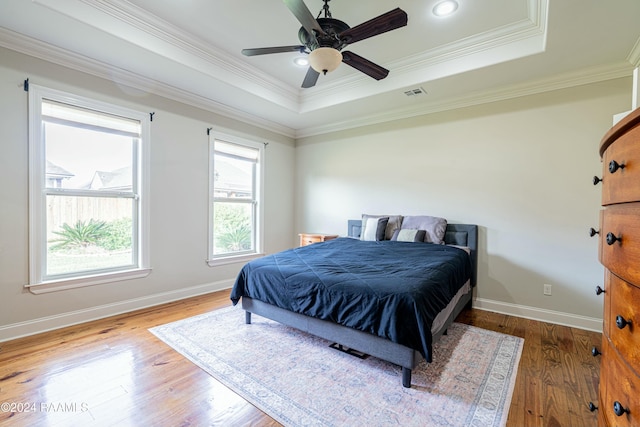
(43, 324)
(540, 314)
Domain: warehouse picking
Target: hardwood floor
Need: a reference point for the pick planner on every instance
(114, 372)
(557, 376)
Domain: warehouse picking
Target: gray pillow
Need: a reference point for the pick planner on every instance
(434, 227)
(392, 225)
(409, 235)
(373, 228)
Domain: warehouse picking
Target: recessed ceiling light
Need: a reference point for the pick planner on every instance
(301, 61)
(445, 8)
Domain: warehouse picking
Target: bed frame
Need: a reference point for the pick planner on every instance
(365, 343)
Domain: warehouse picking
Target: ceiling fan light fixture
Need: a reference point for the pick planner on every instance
(325, 59)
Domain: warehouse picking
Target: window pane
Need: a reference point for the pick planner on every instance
(232, 230)
(87, 159)
(88, 233)
(233, 177)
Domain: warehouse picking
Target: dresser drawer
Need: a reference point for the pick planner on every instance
(621, 169)
(621, 387)
(624, 319)
(619, 246)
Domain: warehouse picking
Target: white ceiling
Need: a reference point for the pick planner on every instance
(189, 50)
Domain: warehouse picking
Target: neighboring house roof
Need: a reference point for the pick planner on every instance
(55, 171)
(117, 179)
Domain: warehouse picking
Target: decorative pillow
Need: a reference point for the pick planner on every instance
(374, 228)
(434, 227)
(392, 225)
(408, 235)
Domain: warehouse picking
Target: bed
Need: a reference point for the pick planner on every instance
(345, 290)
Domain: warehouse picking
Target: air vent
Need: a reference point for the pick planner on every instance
(415, 92)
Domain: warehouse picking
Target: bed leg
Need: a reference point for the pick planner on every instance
(406, 377)
(469, 305)
(247, 317)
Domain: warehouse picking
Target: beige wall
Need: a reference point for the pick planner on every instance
(520, 169)
(179, 198)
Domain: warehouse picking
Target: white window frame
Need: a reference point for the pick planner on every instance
(216, 260)
(38, 281)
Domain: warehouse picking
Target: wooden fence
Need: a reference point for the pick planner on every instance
(66, 209)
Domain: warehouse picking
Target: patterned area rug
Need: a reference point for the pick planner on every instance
(299, 380)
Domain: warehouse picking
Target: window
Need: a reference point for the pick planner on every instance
(235, 199)
(87, 191)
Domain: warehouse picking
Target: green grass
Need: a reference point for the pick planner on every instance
(63, 262)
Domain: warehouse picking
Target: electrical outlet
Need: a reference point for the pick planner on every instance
(547, 289)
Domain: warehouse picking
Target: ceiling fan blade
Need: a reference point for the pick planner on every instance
(391, 20)
(364, 65)
(268, 50)
(303, 14)
(311, 78)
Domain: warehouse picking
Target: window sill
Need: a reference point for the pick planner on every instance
(233, 259)
(80, 282)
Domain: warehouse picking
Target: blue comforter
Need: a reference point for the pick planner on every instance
(391, 289)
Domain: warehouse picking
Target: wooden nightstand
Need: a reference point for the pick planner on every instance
(309, 238)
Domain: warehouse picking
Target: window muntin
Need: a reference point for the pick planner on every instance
(235, 199)
(86, 189)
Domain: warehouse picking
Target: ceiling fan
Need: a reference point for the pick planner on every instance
(324, 38)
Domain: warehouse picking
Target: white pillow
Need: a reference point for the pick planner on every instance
(373, 229)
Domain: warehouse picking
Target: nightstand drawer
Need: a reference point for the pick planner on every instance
(310, 238)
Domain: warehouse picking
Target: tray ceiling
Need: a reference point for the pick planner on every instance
(189, 50)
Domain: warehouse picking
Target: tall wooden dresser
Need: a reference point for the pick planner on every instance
(619, 252)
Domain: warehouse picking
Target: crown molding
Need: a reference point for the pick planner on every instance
(41, 50)
(38, 49)
(565, 81)
(634, 55)
(128, 22)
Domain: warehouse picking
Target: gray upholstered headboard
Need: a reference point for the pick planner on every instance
(456, 234)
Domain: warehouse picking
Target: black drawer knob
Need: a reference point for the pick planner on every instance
(593, 232)
(595, 352)
(614, 166)
(599, 290)
(592, 407)
(621, 322)
(612, 238)
(596, 180)
(618, 409)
